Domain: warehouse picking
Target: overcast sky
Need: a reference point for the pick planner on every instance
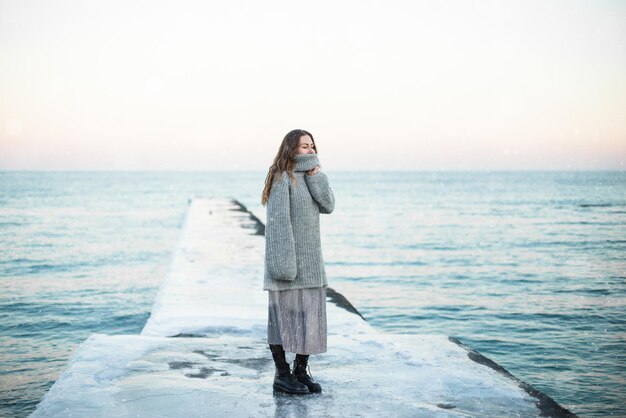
(201, 85)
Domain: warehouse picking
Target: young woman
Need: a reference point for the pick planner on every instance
(295, 192)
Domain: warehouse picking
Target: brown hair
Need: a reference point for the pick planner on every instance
(284, 160)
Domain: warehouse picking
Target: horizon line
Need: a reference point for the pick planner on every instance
(149, 170)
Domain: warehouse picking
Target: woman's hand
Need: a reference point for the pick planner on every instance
(314, 171)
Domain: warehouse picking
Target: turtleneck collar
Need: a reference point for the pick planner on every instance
(306, 162)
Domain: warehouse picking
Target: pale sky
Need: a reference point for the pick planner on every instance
(381, 85)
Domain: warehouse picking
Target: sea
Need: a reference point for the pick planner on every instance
(526, 267)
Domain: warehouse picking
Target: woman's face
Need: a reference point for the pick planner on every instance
(306, 145)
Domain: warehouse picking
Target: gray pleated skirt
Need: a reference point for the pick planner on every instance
(297, 320)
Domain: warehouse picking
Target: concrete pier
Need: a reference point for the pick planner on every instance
(203, 351)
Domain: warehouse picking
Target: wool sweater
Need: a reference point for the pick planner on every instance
(293, 253)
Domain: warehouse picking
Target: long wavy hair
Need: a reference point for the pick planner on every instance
(285, 160)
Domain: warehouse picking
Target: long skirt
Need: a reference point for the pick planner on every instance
(297, 320)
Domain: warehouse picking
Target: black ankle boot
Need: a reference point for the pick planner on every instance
(300, 372)
(284, 380)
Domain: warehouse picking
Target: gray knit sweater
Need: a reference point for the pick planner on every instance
(293, 253)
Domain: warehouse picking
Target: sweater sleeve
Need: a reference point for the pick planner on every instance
(321, 191)
(280, 249)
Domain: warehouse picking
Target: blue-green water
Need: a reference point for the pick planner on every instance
(528, 268)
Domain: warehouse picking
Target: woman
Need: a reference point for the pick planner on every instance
(295, 192)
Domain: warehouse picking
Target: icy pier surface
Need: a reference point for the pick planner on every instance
(203, 350)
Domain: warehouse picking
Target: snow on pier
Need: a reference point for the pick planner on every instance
(203, 350)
